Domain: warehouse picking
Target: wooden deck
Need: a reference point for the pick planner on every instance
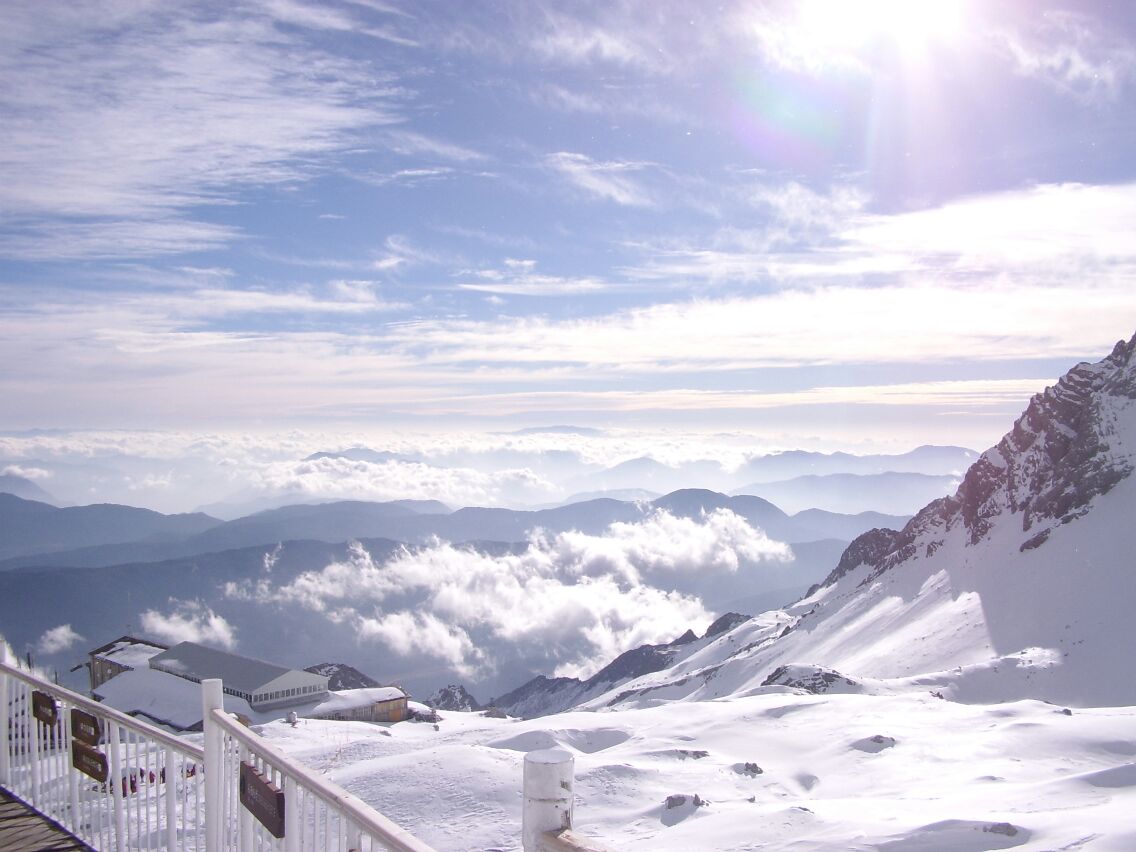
(23, 829)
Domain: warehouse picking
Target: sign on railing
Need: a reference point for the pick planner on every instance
(263, 799)
(112, 781)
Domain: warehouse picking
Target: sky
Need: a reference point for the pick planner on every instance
(792, 219)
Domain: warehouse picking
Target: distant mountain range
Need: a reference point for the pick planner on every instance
(20, 486)
(890, 492)
(29, 527)
(93, 536)
(649, 474)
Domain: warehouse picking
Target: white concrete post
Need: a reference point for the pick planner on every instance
(548, 777)
(213, 698)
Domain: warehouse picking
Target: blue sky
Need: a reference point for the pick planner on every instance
(786, 218)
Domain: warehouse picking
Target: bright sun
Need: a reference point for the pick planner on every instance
(848, 25)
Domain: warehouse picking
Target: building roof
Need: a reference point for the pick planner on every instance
(162, 697)
(176, 703)
(243, 674)
(349, 699)
(129, 651)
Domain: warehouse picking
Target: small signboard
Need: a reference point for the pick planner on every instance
(44, 708)
(263, 799)
(89, 760)
(86, 727)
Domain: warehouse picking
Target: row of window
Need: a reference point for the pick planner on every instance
(288, 693)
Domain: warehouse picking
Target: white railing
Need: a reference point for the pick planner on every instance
(308, 811)
(120, 783)
(143, 787)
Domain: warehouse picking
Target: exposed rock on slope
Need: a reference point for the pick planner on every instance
(453, 697)
(542, 695)
(1065, 449)
(343, 676)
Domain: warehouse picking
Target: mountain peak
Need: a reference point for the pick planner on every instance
(1075, 441)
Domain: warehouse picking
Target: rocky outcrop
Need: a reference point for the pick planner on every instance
(1059, 456)
(725, 623)
(342, 676)
(453, 697)
(543, 695)
(814, 679)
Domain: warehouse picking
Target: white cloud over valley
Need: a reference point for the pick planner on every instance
(189, 621)
(57, 639)
(569, 602)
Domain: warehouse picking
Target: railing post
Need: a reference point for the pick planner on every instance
(247, 837)
(72, 778)
(118, 786)
(213, 698)
(171, 786)
(291, 814)
(548, 777)
(32, 726)
(5, 721)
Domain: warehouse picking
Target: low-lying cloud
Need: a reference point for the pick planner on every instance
(58, 639)
(568, 602)
(190, 621)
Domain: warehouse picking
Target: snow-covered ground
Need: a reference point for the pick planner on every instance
(838, 772)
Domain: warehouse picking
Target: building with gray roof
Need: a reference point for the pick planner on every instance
(263, 685)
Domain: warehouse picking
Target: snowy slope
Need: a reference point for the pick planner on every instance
(837, 773)
(1026, 572)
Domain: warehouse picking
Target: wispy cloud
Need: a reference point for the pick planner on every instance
(520, 278)
(212, 103)
(967, 395)
(606, 180)
(1046, 234)
(1072, 52)
(412, 143)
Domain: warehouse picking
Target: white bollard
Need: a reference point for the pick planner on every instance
(548, 780)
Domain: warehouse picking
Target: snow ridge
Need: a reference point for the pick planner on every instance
(1066, 449)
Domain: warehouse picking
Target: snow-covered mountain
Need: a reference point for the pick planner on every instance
(542, 696)
(342, 676)
(454, 696)
(1020, 584)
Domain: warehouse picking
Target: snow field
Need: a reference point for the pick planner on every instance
(958, 777)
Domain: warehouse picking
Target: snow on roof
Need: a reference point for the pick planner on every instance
(130, 652)
(161, 696)
(348, 699)
(176, 701)
(241, 673)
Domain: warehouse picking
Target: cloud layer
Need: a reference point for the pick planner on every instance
(568, 603)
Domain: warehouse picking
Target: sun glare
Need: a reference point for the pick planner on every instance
(852, 25)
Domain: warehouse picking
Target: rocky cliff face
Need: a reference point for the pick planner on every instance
(453, 697)
(542, 696)
(1063, 451)
(342, 676)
